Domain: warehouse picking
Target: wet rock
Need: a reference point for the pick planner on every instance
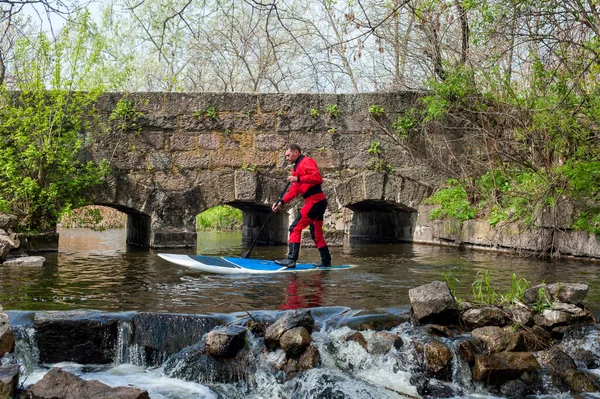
(585, 358)
(555, 360)
(495, 339)
(438, 359)
(374, 322)
(543, 337)
(159, 335)
(549, 318)
(61, 384)
(484, 316)
(568, 292)
(295, 341)
(195, 363)
(358, 338)
(429, 387)
(9, 378)
(499, 368)
(520, 315)
(33, 261)
(7, 336)
(433, 302)
(467, 351)
(258, 324)
(309, 359)
(576, 381)
(291, 319)
(536, 294)
(438, 331)
(226, 341)
(81, 337)
(515, 389)
(382, 342)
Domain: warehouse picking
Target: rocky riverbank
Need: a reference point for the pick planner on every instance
(545, 343)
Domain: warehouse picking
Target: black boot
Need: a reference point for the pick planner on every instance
(290, 262)
(325, 257)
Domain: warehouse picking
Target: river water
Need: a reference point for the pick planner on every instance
(96, 270)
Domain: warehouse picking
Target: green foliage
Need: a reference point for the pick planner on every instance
(406, 124)
(542, 302)
(210, 113)
(453, 201)
(376, 110)
(42, 129)
(249, 168)
(482, 289)
(333, 110)
(377, 161)
(517, 290)
(125, 114)
(222, 217)
(314, 113)
(451, 280)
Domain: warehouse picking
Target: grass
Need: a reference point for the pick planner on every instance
(221, 217)
(94, 217)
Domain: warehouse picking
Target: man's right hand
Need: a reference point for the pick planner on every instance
(276, 206)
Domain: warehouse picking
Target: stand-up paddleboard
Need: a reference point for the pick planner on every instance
(232, 265)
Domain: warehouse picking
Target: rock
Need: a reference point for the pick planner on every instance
(484, 316)
(160, 335)
(291, 319)
(429, 387)
(194, 363)
(7, 336)
(467, 351)
(358, 338)
(515, 389)
(61, 384)
(576, 381)
(585, 358)
(9, 378)
(438, 331)
(536, 294)
(438, 359)
(8, 222)
(81, 337)
(551, 318)
(499, 368)
(568, 292)
(6, 244)
(520, 315)
(434, 302)
(495, 339)
(34, 261)
(581, 315)
(375, 322)
(295, 341)
(555, 360)
(226, 341)
(310, 359)
(382, 342)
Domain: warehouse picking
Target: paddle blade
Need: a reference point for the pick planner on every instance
(246, 254)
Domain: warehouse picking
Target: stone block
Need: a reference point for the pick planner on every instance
(233, 141)
(209, 141)
(373, 185)
(577, 243)
(182, 142)
(160, 160)
(311, 140)
(191, 159)
(477, 232)
(270, 142)
(326, 159)
(245, 185)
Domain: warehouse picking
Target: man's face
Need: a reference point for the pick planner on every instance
(291, 156)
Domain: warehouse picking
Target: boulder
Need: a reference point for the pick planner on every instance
(429, 387)
(484, 316)
(467, 350)
(382, 342)
(309, 359)
(520, 315)
(576, 381)
(438, 331)
(375, 322)
(6, 244)
(291, 319)
(535, 294)
(358, 338)
(295, 341)
(568, 292)
(499, 368)
(495, 339)
(195, 363)
(515, 389)
(9, 378)
(226, 341)
(586, 358)
(34, 261)
(7, 336)
(434, 302)
(8, 222)
(160, 335)
(549, 318)
(81, 337)
(438, 359)
(61, 384)
(555, 360)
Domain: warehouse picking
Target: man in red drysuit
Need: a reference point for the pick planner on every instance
(306, 181)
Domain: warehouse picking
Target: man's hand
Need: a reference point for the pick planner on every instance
(276, 206)
(292, 179)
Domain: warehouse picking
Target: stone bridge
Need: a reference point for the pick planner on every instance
(174, 155)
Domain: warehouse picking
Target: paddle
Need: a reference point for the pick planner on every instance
(247, 253)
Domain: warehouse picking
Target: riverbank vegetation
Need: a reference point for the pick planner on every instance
(221, 217)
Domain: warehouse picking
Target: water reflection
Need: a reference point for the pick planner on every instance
(96, 270)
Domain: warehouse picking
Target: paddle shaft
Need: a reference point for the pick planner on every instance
(247, 253)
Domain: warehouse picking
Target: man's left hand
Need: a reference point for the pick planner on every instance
(292, 179)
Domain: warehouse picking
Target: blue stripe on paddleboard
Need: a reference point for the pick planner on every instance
(268, 265)
(213, 261)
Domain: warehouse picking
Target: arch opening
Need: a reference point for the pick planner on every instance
(254, 216)
(380, 221)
